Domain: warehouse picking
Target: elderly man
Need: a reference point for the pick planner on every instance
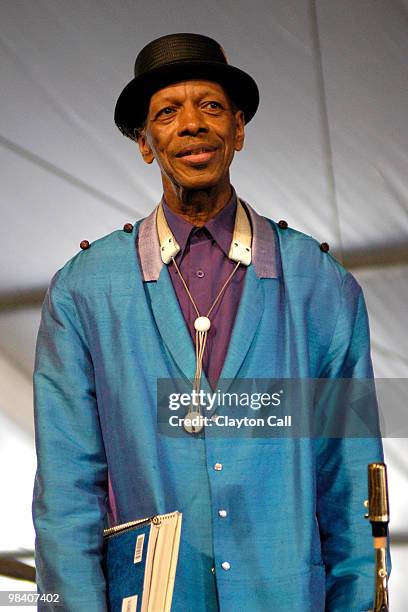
(203, 289)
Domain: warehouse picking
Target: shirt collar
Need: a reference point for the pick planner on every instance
(264, 246)
(221, 227)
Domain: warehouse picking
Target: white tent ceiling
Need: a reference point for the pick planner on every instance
(327, 150)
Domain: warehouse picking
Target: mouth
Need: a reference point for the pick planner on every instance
(196, 154)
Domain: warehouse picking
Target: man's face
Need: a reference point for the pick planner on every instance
(192, 131)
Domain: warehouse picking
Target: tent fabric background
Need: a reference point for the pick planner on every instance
(327, 151)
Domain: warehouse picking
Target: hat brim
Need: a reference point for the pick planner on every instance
(133, 103)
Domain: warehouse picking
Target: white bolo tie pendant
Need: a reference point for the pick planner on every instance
(202, 324)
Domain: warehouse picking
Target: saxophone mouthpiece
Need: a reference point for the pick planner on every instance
(378, 507)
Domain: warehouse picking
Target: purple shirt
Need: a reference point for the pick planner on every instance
(204, 264)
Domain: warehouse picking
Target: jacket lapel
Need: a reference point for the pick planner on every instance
(165, 306)
(249, 314)
(171, 324)
(251, 306)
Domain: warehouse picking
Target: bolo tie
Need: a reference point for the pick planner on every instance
(240, 253)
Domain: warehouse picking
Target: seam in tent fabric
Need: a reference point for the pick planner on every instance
(325, 125)
(69, 178)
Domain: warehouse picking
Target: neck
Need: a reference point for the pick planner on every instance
(197, 205)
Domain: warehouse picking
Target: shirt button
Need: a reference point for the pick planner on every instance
(218, 467)
(200, 273)
(225, 566)
(213, 570)
(222, 513)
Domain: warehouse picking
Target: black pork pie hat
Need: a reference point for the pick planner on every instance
(179, 57)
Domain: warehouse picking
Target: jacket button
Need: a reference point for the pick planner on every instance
(84, 245)
(222, 513)
(128, 228)
(225, 566)
(324, 247)
(283, 224)
(217, 467)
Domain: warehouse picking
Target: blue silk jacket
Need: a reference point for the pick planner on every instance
(293, 535)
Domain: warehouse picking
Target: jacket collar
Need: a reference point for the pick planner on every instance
(263, 246)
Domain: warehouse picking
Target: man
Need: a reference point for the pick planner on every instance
(203, 289)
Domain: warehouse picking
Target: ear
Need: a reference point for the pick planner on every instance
(144, 147)
(239, 130)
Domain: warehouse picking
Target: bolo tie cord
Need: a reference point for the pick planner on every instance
(202, 323)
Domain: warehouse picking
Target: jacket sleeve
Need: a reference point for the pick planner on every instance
(70, 489)
(346, 541)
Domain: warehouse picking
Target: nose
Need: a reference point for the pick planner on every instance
(191, 121)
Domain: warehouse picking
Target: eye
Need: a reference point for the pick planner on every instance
(166, 111)
(213, 105)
